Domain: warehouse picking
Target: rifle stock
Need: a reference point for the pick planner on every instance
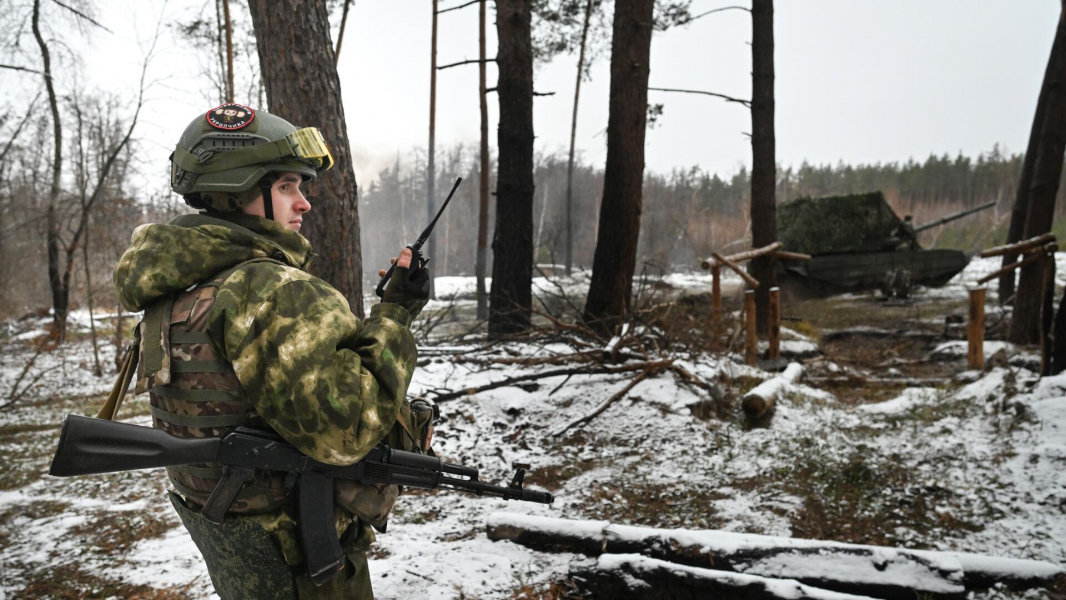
(88, 446)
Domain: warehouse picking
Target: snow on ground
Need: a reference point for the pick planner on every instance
(978, 268)
(977, 465)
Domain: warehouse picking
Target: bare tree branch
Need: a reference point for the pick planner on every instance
(441, 12)
(716, 95)
(83, 15)
(24, 69)
(543, 93)
(472, 61)
(340, 34)
(710, 12)
(18, 130)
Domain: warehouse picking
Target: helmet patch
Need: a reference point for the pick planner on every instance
(230, 117)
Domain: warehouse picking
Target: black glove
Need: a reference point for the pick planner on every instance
(407, 290)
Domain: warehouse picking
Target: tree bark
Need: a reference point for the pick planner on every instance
(300, 76)
(1020, 209)
(573, 141)
(481, 262)
(1047, 170)
(619, 225)
(763, 164)
(510, 298)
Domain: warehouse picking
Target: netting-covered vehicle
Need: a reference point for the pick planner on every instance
(858, 243)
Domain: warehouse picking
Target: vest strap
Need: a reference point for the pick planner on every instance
(173, 393)
(203, 422)
(200, 366)
(154, 337)
(189, 337)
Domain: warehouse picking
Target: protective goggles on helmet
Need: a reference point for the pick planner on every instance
(304, 144)
(307, 143)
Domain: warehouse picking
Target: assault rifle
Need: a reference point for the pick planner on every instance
(418, 261)
(88, 446)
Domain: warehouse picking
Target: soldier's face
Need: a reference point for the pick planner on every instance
(289, 202)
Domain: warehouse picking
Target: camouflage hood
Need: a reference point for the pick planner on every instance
(163, 259)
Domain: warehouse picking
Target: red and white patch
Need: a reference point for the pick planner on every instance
(230, 117)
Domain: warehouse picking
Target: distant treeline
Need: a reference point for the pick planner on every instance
(688, 213)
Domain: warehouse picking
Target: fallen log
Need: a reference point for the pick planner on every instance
(636, 576)
(893, 573)
(760, 401)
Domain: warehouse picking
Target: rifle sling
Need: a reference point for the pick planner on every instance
(122, 383)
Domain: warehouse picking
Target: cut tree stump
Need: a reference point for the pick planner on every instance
(636, 576)
(891, 573)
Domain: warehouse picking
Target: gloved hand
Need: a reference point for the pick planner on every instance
(409, 291)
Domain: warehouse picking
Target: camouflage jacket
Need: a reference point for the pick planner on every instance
(330, 384)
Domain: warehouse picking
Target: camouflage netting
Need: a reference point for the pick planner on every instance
(854, 223)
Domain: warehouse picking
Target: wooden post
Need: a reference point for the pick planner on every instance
(751, 340)
(716, 293)
(775, 323)
(975, 330)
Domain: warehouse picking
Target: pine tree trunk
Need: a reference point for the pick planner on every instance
(510, 297)
(1021, 201)
(763, 164)
(1047, 171)
(302, 86)
(619, 224)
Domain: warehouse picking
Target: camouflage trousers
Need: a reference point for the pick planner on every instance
(246, 563)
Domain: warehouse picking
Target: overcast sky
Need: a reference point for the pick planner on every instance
(857, 80)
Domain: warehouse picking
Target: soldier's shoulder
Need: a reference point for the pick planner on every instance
(255, 283)
(265, 276)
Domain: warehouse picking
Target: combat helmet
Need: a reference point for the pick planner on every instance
(224, 158)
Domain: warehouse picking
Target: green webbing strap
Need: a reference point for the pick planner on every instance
(199, 472)
(234, 159)
(202, 422)
(152, 334)
(173, 393)
(189, 337)
(199, 366)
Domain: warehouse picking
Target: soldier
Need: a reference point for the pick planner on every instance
(236, 332)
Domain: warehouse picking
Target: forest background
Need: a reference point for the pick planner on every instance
(688, 212)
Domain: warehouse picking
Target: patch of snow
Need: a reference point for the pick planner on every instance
(908, 399)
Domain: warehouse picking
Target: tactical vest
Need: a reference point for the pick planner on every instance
(194, 392)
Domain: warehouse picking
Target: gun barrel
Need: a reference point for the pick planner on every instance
(507, 493)
(88, 446)
(949, 218)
